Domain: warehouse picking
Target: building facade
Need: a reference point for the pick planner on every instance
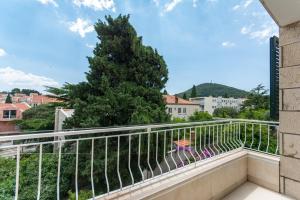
(180, 108)
(9, 113)
(209, 104)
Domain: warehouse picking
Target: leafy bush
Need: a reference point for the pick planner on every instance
(226, 112)
(200, 116)
(178, 120)
(258, 114)
(39, 118)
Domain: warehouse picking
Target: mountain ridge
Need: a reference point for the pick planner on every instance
(215, 89)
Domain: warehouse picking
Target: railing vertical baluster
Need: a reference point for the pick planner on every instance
(118, 164)
(17, 173)
(229, 136)
(195, 143)
(165, 151)
(245, 134)
(148, 154)
(240, 141)
(258, 148)
(225, 139)
(236, 130)
(267, 149)
(252, 136)
(58, 172)
(76, 170)
(209, 144)
(92, 168)
(214, 140)
(184, 150)
(40, 171)
(178, 148)
(200, 133)
(129, 160)
(172, 149)
(105, 166)
(156, 154)
(190, 150)
(220, 151)
(222, 139)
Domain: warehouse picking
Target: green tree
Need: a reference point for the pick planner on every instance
(165, 92)
(226, 112)
(194, 92)
(28, 91)
(40, 117)
(184, 96)
(15, 90)
(200, 116)
(8, 99)
(257, 99)
(124, 80)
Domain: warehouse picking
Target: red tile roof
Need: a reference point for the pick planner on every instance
(170, 99)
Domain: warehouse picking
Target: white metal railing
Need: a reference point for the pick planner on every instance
(110, 159)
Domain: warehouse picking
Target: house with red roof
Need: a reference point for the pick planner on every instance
(180, 108)
(9, 112)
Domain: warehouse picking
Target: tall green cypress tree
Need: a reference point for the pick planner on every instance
(8, 99)
(194, 92)
(124, 80)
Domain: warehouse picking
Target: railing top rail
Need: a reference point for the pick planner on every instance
(122, 128)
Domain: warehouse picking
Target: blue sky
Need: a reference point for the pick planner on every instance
(45, 42)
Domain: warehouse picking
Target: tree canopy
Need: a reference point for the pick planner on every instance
(124, 80)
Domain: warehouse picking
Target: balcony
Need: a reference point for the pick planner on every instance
(200, 160)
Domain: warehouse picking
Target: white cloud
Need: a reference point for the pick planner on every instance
(171, 5)
(262, 33)
(236, 7)
(10, 78)
(243, 4)
(2, 52)
(96, 4)
(247, 3)
(195, 3)
(46, 2)
(81, 26)
(246, 29)
(228, 44)
(90, 46)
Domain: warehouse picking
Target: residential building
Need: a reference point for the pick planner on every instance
(34, 99)
(180, 108)
(3, 97)
(209, 104)
(274, 78)
(9, 113)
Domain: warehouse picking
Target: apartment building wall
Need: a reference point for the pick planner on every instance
(209, 104)
(182, 110)
(289, 116)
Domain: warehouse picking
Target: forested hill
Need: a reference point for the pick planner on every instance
(214, 89)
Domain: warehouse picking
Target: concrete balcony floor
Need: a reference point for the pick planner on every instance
(251, 191)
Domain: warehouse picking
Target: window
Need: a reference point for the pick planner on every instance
(9, 114)
(179, 110)
(184, 110)
(170, 110)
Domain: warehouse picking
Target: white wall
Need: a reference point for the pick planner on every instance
(190, 109)
(209, 104)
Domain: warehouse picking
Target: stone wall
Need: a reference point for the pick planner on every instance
(289, 42)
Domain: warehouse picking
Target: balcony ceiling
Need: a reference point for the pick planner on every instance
(284, 12)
